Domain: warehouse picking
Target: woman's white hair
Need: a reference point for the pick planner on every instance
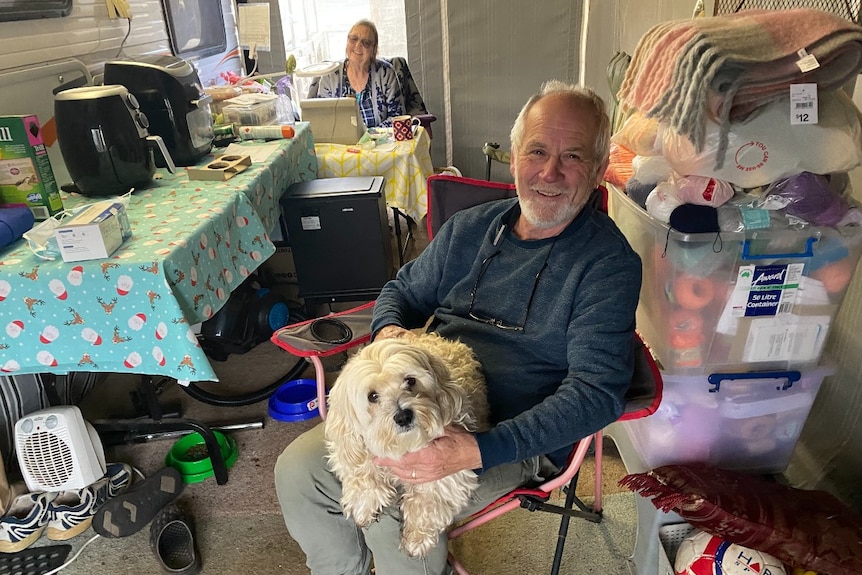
(578, 95)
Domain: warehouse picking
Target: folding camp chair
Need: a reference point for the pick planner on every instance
(338, 332)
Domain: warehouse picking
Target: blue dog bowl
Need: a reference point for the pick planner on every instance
(296, 400)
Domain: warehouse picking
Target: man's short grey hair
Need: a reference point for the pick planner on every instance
(577, 94)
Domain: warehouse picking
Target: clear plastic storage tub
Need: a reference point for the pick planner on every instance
(250, 110)
(743, 421)
(737, 301)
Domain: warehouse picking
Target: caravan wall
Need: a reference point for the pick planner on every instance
(39, 57)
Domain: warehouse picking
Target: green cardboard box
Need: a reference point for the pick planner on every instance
(26, 176)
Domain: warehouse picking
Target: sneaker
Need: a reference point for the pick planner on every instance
(25, 521)
(71, 513)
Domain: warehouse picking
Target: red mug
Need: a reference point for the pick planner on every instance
(404, 127)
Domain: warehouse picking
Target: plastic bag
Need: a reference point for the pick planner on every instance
(766, 147)
(809, 197)
(701, 190)
(640, 135)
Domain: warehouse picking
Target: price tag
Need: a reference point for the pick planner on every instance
(803, 104)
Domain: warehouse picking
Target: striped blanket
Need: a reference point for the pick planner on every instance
(685, 71)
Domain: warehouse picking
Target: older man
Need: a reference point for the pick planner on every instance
(544, 289)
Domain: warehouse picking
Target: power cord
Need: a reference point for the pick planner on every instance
(93, 538)
(74, 557)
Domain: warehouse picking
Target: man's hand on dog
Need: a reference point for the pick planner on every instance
(455, 451)
(394, 331)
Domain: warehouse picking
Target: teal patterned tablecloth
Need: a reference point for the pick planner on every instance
(193, 243)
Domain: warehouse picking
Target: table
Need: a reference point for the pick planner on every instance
(193, 243)
(404, 165)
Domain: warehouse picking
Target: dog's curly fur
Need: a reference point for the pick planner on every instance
(393, 397)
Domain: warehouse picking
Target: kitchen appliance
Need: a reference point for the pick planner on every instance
(104, 140)
(170, 94)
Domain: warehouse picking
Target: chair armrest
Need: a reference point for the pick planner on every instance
(304, 340)
(426, 119)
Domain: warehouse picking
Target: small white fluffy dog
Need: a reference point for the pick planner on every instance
(393, 397)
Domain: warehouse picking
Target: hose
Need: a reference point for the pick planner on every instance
(247, 398)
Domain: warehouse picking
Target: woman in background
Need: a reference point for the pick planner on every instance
(362, 76)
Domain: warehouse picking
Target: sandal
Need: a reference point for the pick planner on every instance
(130, 511)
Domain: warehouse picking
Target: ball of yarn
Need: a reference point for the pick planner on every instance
(836, 276)
(693, 293)
(662, 201)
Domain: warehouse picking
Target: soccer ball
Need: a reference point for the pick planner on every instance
(705, 554)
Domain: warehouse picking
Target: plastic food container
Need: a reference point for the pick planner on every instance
(220, 94)
(294, 401)
(190, 457)
(250, 110)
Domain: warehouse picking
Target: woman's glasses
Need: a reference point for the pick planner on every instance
(499, 322)
(353, 39)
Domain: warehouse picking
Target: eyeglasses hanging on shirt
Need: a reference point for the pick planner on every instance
(486, 263)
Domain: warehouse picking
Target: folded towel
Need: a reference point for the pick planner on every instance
(685, 71)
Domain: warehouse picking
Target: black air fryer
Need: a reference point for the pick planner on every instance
(104, 140)
(171, 95)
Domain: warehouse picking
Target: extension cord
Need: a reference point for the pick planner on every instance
(119, 9)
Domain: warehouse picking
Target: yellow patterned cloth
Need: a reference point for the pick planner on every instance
(404, 166)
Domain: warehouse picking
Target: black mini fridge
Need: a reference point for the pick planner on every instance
(339, 234)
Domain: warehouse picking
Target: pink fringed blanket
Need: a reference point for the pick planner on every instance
(726, 66)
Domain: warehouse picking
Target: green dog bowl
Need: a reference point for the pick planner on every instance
(190, 457)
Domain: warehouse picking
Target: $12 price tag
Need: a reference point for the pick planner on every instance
(803, 104)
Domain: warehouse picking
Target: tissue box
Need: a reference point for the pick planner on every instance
(26, 176)
(93, 233)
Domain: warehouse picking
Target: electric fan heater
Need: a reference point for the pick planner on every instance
(58, 450)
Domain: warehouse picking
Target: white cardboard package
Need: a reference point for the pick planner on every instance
(94, 233)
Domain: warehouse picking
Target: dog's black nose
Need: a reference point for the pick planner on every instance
(403, 417)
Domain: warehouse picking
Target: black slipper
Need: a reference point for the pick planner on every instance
(128, 512)
(172, 539)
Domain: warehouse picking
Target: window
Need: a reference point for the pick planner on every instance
(316, 30)
(195, 27)
(33, 9)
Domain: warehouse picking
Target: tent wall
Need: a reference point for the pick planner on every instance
(498, 52)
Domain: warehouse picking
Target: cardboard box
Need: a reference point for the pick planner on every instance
(93, 233)
(279, 269)
(26, 176)
(220, 169)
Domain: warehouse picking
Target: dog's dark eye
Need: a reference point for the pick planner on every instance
(373, 396)
(410, 381)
